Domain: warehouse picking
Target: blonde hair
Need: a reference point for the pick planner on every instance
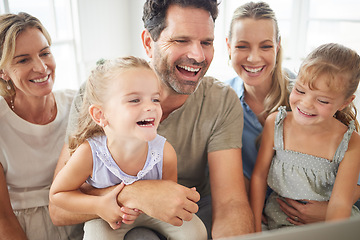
(96, 92)
(341, 65)
(279, 92)
(11, 25)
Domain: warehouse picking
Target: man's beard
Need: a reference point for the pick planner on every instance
(168, 77)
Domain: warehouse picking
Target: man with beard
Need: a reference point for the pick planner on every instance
(202, 119)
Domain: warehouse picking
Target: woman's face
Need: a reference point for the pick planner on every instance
(253, 49)
(32, 68)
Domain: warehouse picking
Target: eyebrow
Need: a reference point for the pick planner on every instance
(24, 55)
(139, 93)
(262, 42)
(172, 38)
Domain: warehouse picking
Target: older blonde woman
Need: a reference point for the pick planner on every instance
(33, 119)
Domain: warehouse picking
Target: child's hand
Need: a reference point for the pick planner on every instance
(130, 214)
(108, 208)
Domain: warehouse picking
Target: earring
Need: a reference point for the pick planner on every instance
(8, 87)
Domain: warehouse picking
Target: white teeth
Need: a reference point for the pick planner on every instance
(305, 113)
(40, 80)
(253, 70)
(145, 122)
(190, 69)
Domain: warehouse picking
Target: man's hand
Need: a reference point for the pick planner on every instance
(164, 200)
(303, 213)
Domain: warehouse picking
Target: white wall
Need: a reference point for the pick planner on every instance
(107, 29)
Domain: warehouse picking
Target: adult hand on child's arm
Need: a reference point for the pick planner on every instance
(300, 213)
(311, 212)
(162, 199)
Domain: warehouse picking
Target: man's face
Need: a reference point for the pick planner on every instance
(184, 50)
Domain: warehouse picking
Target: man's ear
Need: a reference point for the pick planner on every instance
(147, 42)
(97, 115)
(228, 47)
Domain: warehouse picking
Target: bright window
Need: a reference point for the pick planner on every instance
(304, 25)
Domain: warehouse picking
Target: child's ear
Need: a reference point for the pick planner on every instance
(97, 115)
(347, 102)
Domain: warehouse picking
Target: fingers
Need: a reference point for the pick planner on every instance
(193, 195)
(295, 222)
(118, 188)
(176, 221)
(129, 214)
(130, 211)
(263, 218)
(115, 225)
(294, 216)
(191, 206)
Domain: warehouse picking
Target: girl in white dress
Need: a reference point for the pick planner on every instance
(117, 143)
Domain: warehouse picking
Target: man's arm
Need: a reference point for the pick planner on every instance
(231, 210)
(164, 200)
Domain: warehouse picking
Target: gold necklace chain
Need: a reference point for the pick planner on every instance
(13, 108)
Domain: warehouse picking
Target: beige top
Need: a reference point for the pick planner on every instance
(29, 152)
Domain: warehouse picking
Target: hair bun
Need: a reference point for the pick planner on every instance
(101, 61)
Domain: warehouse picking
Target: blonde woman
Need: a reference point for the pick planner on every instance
(33, 121)
(255, 52)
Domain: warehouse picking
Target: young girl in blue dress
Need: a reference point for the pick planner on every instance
(117, 143)
(312, 152)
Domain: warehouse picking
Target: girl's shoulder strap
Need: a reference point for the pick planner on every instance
(343, 146)
(279, 128)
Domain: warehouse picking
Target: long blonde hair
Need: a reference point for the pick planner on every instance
(341, 65)
(96, 91)
(279, 92)
(11, 25)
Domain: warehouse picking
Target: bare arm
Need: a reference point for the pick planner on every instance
(258, 183)
(232, 215)
(342, 195)
(58, 215)
(10, 227)
(169, 163)
(313, 211)
(162, 199)
(65, 193)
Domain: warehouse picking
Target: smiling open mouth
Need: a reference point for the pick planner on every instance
(40, 80)
(305, 113)
(253, 70)
(146, 122)
(191, 71)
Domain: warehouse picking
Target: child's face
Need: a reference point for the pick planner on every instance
(133, 108)
(311, 106)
